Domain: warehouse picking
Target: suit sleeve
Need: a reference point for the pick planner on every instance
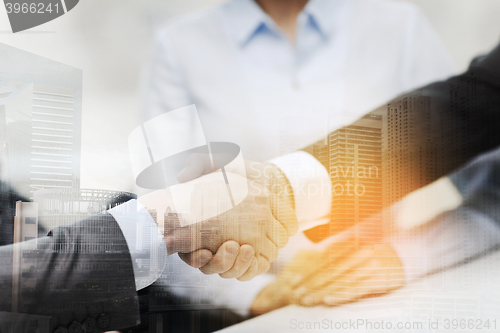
(462, 125)
(462, 122)
(80, 275)
(461, 235)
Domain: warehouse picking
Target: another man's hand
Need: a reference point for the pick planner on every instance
(264, 220)
(231, 261)
(255, 222)
(263, 174)
(345, 272)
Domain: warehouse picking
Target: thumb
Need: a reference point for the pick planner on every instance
(196, 259)
(185, 240)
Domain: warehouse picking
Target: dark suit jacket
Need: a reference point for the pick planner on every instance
(463, 121)
(79, 275)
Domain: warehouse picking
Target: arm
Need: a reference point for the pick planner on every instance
(148, 250)
(458, 236)
(456, 121)
(78, 273)
(87, 273)
(346, 271)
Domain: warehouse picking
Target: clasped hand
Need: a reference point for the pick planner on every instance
(242, 242)
(344, 272)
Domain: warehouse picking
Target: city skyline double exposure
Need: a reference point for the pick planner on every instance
(249, 165)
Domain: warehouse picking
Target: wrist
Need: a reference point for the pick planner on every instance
(311, 184)
(279, 185)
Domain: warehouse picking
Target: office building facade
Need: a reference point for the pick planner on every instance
(56, 110)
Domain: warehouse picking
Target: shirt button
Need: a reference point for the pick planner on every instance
(89, 324)
(61, 329)
(103, 321)
(75, 327)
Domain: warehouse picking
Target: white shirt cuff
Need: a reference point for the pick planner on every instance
(453, 238)
(144, 240)
(311, 185)
(417, 209)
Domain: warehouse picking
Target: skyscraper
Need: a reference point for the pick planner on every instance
(55, 133)
(15, 135)
(408, 120)
(59, 207)
(356, 171)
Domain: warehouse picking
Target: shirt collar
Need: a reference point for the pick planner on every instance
(245, 19)
(323, 14)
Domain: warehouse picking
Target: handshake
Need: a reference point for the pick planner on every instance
(243, 241)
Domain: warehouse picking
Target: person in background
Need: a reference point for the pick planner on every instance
(276, 75)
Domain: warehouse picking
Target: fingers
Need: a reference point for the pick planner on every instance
(263, 264)
(331, 260)
(348, 292)
(272, 297)
(223, 260)
(196, 259)
(341, 249)
(362, 273)
(242, 263)
(260, 265)
(283, 211)
(277, 233)
(268, 250)
(304, 264)
(337, 293)
(251, 271)
(230, 261)
(339, 274)
(344, 265)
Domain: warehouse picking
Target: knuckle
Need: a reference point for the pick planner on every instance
(226, 265)
(250, 273)
(227, 275)
(274, 254)
(213, 267)
(282, 238)
(206, 270)
(246, 277)
(271, 253)
(263, 266)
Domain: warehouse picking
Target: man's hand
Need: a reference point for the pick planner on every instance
(230, 261)
(264, 174)
(253, 222)
(345, 272)
(264, 220)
